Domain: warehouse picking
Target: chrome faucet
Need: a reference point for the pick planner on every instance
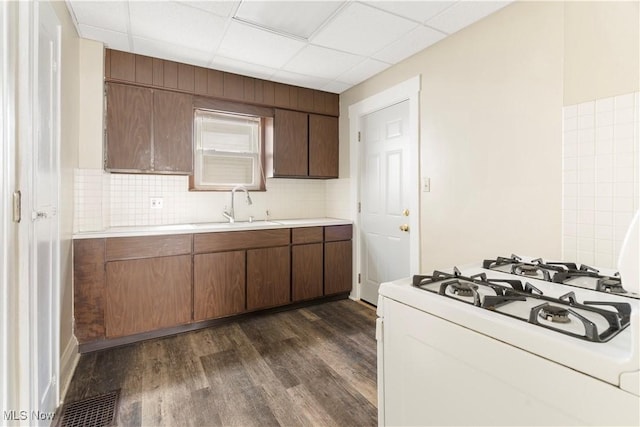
(230, 215)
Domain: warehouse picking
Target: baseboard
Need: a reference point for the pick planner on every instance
(68, 362)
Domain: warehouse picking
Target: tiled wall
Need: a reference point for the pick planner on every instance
(105, 200)
(601, 186)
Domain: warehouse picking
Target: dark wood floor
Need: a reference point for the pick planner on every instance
(314, 366)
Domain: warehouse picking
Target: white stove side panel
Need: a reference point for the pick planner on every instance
(437, 373)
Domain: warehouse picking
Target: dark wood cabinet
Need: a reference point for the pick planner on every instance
(148, 130)
(129, 127)
(218, 284)
(290, 144)
(132, 288)
(307, 271)
(147, 294)
(268, 277)
(323, 146)
(172, 132)
(338, 268)
(304, 145)
(88, 289)
(338, 271)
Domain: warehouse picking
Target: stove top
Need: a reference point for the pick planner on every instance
(566, 273)
(594, 321)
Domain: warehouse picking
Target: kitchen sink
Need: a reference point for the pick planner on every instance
(236, 225)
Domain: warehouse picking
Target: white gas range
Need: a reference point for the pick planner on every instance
(512, 341)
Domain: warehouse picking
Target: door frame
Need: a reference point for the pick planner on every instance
(409, 90)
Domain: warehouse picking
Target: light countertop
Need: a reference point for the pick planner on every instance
(208, 227)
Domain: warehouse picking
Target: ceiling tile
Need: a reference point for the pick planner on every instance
(336, 87)
(409, 44)
(223, 8)
(321, 62)
(177, 24)
(299, 80)
(250, 44)
(111, 39)
(171, 52)
(241, 67)
(300, 19)
(103, 14)
(419, 11)
(364, 70)
(464, 13)
(362, 30)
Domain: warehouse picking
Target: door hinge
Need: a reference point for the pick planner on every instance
(359, 207)
(17, 206)
(359, 277)
(358, 136)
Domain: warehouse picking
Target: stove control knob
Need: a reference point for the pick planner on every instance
(405, 228)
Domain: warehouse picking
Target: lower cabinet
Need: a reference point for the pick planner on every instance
(338, 269)
(218, 284)
(151, 285)
(268, 277)
(306, 271)
(147, 294)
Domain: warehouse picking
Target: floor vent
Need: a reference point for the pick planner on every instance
(96, 411)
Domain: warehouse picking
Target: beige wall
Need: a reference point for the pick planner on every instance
(91, 89)
(70, 106)
(602, 50)
(491, 121)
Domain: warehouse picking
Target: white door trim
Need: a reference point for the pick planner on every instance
(407, 90)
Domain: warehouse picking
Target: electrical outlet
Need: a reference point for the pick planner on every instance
(156, 203)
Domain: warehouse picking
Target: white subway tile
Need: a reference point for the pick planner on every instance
(624, 115)
(572, 111)
(586, 217)
(604, 218)
(622, 131)
(604, 246)
(604, 119)
(604, 189)
(623, 101)
(586, 108)
(603, 204)
(604, 260)
(586, 136)
(586, 231)
(586, 122)
(603, 232)
(604, 104)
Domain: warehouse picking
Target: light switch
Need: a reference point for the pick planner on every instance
(426, 185)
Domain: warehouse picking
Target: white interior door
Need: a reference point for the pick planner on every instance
(45, 242)
(385, 194)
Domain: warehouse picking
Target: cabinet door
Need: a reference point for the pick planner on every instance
(172, 132)
(129, 121)
(337, 267)
(147, 294)
(323, 146)
(290, 144)
(218, 284)
(268, 277)
(306, 271)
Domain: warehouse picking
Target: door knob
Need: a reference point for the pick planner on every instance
(405, 212)
(404, 227)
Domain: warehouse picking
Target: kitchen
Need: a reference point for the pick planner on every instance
(491, 105)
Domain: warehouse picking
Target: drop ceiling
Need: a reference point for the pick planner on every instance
(325, 45)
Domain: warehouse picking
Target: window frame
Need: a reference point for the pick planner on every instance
(261, 181)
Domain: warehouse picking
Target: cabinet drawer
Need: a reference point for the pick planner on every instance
(234, 240)
(306, 235)
(120, 248)
(338, 232)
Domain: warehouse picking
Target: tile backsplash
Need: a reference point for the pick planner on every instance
(104, 200)
(601, 183)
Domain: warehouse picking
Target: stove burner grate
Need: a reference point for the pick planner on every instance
(611, 285)
(553, 310)
(555, 314)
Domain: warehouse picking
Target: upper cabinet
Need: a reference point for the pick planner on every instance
(148, 130)
(149, 119)
(304, 145)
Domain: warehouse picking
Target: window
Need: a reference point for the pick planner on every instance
(228, 151)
